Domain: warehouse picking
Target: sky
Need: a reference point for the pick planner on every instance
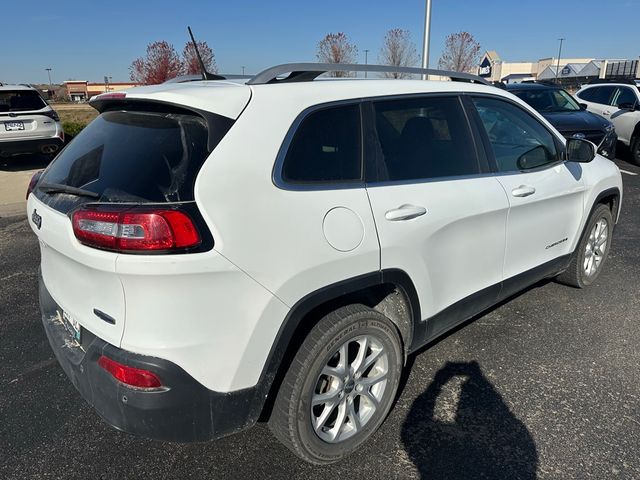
(86, 40)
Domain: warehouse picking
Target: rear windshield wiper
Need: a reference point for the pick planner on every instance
(60, 188)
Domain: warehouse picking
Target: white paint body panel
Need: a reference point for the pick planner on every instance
(217, 314)
(553, 213)
(456, 248)
(624, 121)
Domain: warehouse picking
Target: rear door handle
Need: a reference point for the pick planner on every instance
(523, 191)
(405, 212)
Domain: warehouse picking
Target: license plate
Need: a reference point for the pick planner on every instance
(15, 125)
(72, 326)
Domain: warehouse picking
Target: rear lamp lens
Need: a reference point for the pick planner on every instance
(135, 230)
(134, 377)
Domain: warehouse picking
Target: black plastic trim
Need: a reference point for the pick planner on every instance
(486, 298)
(28, 145)
(182, 410)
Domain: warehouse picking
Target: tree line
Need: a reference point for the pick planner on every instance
(162, 62)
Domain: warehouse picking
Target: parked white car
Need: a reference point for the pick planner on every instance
(619, 103)
(218, 252)
(27, 123)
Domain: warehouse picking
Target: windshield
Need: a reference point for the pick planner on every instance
(549, 100)
(134, 156)
(20, 101)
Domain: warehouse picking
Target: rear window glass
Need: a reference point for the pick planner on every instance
(20, 101)
(128, 156)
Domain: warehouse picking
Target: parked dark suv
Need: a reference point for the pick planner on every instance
(570, 118)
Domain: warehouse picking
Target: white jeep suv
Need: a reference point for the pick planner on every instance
(27, 123)
(217, 252)
(619, 103)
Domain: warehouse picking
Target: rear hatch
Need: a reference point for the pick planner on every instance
(24, 114)
(136, 155)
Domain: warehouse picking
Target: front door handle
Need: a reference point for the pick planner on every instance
(606, 112)
(405, 212)
(523, 191)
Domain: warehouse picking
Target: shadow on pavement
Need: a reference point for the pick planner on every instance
(460, 428)
(24, 162)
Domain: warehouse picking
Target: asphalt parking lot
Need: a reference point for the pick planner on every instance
(544, 386)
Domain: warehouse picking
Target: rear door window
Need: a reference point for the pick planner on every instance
(20, 101)
(601, 95)
(424, 138)
(136, 156)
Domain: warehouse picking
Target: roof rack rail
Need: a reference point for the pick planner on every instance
(305, 72)
(626, 81)
(198, 78)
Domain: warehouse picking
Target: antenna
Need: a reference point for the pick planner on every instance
(205, 75)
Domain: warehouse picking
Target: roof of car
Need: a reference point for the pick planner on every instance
(5, 86)
(531, 86)
(228, 97)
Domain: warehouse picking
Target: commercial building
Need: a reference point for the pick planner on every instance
(82, 90)
(570, 72)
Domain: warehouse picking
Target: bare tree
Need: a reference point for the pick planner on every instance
(336, 48)
(191, 62)
(461, 53)
(160, 64)
(399, 51)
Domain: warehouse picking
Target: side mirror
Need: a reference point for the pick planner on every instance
(628, 106)
(580, 150)
(583, 106)
(533, 158)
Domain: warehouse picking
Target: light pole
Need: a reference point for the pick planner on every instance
(49, 73)
(425, 41)
(559, 55)
(366, 60)
(243, 70)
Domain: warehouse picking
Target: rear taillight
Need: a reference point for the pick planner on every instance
(33, 182)
(134, 377)
(137, 229)
(51, 114)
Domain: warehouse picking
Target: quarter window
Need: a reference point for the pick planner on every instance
(518, 140)
(325, 147)
(424, 138)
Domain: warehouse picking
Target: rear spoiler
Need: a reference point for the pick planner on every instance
(217, 125)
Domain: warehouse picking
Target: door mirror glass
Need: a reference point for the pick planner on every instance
(580, 150)
(536, 157)
(627, 106)
(583, 106)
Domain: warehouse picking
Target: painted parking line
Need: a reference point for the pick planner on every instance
(628, 173)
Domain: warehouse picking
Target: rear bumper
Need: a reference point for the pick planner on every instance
(30, 145)
(182, 411)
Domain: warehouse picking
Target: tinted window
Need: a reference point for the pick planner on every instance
(20, 101)
(423, 138)
(518, 140)
(325, 147)
(625, 95)
(548, 100)
(600, 95)
(135, 157)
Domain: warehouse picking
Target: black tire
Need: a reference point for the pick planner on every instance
(291, 419)
(576, 275)
(635, 150)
